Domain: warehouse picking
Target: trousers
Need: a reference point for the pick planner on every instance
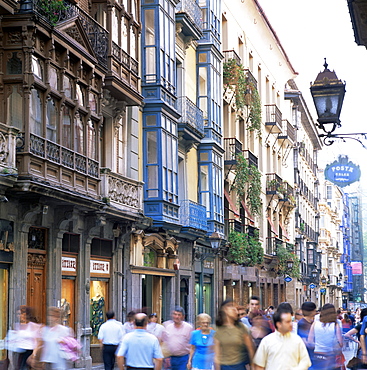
(109, 356)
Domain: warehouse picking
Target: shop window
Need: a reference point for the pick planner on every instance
(98, 291)
(101, 247)
(68, 302)
(150, 257)
(70, 243)
(4, 308)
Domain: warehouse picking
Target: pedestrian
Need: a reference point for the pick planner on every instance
(154, 328)
(202, 345)
(110, 336)
(327, 338)
(242, 312)
(259, 327)
(129, 325)
(232, 340)
(52, 336)
(139, 350)
(346, 323)
(304, 325)
(253, 305)
(282, 350)
(176, 339)
(298, 315)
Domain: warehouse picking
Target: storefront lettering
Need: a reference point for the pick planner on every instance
(99, 267)
(68, 264)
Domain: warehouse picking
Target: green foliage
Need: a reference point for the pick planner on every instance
(245, 249)
(246, 94)
(51, 9)
(248, 181)
(284, 255)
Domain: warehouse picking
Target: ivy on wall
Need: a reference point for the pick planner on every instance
(245, 249)
(284, 255)
(248, 182)
(246, 93)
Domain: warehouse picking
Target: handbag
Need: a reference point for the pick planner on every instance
(353, 362)
(33, 361)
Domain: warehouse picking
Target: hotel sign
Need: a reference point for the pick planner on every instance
(342, 172)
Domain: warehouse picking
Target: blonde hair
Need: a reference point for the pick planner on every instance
(202, 316)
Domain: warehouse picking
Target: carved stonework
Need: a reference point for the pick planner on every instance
(122, 192)
(4, 151)
(36, 260)
(14, 38)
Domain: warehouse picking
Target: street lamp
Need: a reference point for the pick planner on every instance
(215, 240)
(314, 274)
(328, 94)
(290, 264)
(323, 280)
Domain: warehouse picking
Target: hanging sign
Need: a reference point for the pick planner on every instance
(288, 279)
(323, 290)
(342, 172)
(312, 286)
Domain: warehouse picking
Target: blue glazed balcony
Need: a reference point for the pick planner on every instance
(189, 19)
(191, 123)
(193, 215)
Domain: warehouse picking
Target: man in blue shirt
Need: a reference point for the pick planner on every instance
(140, 350)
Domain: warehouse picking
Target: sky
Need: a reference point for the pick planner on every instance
(310, 31)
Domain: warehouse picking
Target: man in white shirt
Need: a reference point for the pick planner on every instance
(282, 350)
(110, 335)
(139, 349)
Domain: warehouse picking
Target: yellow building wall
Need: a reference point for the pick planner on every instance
(192, 175)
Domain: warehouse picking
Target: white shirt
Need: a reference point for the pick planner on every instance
(282, 352)
(111, 332)
(325, 336)
(155, 329)
(27, 335)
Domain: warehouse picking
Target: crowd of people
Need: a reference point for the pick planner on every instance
(242, 338)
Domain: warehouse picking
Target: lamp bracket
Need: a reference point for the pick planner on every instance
(330, 138)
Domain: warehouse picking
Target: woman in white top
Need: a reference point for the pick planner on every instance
(27, 335)
(52, 336)
(327, 337)
(154, 328)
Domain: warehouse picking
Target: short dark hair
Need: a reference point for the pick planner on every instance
(254, 298)
(271, 307)
(285, 307)
(179, 309)
(277, 317)
(110, 315)
(363, 313)
(140, 323)
(308, 307)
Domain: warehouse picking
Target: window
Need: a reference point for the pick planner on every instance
(169, 168)
(68, 87)
(53, 78)
(152, 164)
(37, 68)
(329, 192)
(91, 147)
(66, 128)
(15, 109)
(78, 134)
(150, 50)
(35, 110)
(51, 121)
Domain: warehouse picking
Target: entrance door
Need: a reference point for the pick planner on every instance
(36, 285)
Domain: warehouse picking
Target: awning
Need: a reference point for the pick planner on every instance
(273, 228)
(249, 215)
(284, 231)
(232, 205)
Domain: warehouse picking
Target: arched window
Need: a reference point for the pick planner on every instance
(78, 134)
(15, 109)
(66, 128)
(35, 113)
(51, 121)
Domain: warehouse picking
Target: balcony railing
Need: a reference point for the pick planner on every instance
(251, 78)
(272, 244)
(193, 11)
(273, 118)
(273, 183)
(231, 54)
(232, 148)
(288, 132)
(125, 59)
(251, 157)
(55, 153)
(122, 192)
(233, 225)
(193, 215)
(191, 115)
(97, 35)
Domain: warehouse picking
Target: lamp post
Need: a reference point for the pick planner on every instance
(328, 94)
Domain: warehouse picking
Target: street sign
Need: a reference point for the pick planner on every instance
(312, 286)
(288, 279)
(322, 290)
(342, 172)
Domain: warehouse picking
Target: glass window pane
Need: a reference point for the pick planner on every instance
(152, 146)
(150, 64)
(79, 134)
(35, 110)
(51, 121)
(204, 178)
(151, 120)
(152, 177)
(53, 79)
(149, 27)
(66, 128)
(67, 87)
(15, 109)
(91, 140)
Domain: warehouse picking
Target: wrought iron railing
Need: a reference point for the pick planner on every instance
(190, 114)
(98, 36)
(233, 225)
(251, 78)
(272, 244)
(251, 157)
(56, 153)
(273, 183)
(273, 116)
(121, 191)
(193, 215)
(231, 54)
(193, 10)
(288, 131)
(232, 148)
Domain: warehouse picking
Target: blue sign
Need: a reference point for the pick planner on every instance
(312, 286)
(322, 290)
(342, 172)
(288, 279)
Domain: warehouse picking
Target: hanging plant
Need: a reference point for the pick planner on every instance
(285, 255)
(245, 249)
(246, 93)
(51, 9)
(248, 182)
